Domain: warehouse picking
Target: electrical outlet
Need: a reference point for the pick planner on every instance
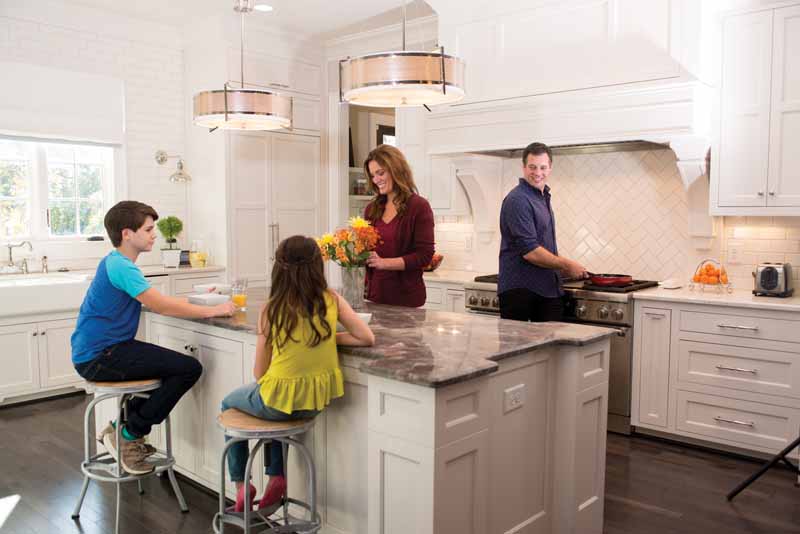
(468, 243)
(513, 398)
(735, 253)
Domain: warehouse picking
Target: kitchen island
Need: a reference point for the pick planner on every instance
(451, 423)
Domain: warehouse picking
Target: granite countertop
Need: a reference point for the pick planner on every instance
(739, 297)
(436, 348)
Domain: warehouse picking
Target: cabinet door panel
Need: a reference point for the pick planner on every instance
(784, 159)
(18, 359)
(55, 353)
(222, 361)
(745, 105)
(654, 366)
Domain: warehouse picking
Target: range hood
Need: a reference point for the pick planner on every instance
(581, 148)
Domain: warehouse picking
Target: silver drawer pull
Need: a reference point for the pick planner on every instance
(737, 327)
(737, 369)
(719, 419)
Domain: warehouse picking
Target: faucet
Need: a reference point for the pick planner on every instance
(11, 248)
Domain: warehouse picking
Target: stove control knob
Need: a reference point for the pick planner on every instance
(473, 300)
(484, 301)
(495, 303)
(602, 312)
(580, 311)
(618, 314)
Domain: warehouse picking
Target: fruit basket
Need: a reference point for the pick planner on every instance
(710, 275)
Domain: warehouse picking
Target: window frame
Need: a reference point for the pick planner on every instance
(39, 228)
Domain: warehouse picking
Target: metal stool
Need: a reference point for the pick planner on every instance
(102, 466)
(240, 426)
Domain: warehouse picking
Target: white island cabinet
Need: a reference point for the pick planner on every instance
(476, 425)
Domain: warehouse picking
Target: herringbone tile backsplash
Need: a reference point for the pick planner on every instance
(622, 212)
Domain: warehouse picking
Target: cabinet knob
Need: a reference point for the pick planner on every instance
(772, 193)
(35, 334)
(43, 333)
(761, 193)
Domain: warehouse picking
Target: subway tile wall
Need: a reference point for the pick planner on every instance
(749, 241)
(154, 109)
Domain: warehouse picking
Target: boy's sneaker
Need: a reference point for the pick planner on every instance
(109, 429)
(133, 454)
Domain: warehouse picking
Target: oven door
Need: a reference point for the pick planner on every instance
(619, 380)
(477, 311)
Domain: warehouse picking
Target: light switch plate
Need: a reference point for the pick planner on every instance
(514, 397)
(735, 253)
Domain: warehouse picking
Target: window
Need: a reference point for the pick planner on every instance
(53, 190)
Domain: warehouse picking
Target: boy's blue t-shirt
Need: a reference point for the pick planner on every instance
(110, 312)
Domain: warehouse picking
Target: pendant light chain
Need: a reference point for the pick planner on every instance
(404, 25)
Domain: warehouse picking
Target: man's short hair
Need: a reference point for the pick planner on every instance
(126, 214)
(537, 149)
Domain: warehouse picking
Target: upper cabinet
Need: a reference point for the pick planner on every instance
(754, 167)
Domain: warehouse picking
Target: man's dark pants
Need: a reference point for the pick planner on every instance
(137, 360)
(525, 305)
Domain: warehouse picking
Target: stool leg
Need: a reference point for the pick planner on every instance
(141, 489)
(312, 477)
(225, 450)
(116, 521)
(285, 453)
(77, 512)
(247, 470)
(171, 472)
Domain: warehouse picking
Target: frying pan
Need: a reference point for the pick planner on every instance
(609, 280)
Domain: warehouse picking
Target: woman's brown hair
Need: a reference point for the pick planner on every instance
(297, 292)
(393, 161)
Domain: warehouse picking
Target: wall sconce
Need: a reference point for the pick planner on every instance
(178, 177)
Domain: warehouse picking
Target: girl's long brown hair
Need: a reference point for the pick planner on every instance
(297, 293)
(393, 161)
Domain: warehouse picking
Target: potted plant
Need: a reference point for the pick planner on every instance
(170, 227)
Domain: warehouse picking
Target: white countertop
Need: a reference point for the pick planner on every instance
(152, 270)
(740, 297)
(450, 276)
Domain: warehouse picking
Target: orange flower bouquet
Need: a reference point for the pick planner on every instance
(350, 247)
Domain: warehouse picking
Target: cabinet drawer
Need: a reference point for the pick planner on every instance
(741, 326)
(748, 424)
(757, 370)
(185, 286)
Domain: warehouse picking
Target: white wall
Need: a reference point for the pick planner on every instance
(749, 241)
(149, 60)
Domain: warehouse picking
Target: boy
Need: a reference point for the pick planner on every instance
(103, 344)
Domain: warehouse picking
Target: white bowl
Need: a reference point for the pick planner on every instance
(221, 289)
(366, 317)
(208, 299)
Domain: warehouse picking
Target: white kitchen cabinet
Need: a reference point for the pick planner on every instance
(783, 185)
(444, 296)
(275, 73)
(275, 193)
(36, 357)
(652, 355)
(754, 161)
(55, 354)
(19, 359)
(724, 375)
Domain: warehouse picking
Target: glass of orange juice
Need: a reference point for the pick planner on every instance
(239, 293)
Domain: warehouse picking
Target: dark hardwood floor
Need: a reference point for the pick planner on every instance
(652, 487)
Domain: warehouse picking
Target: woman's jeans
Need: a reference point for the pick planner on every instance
(248, 399)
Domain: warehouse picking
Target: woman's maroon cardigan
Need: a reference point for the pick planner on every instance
(415, 245)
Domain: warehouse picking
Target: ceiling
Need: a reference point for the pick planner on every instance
(307, 17)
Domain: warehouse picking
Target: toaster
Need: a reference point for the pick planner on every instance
(773, 280)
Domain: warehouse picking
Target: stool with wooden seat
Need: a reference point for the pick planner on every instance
(102, 466)
(239, 426)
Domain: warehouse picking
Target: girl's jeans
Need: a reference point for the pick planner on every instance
(248, 399)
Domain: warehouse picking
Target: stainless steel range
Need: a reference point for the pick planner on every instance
(583, 303)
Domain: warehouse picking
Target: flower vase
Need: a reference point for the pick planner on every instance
(353, 286)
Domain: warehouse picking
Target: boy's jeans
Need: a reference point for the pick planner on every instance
(248, 399)
(137, 360)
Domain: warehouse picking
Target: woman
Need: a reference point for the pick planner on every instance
(404, 221)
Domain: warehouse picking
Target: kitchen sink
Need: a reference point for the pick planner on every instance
(26, 294)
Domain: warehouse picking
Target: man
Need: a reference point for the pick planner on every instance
(103, 344)
(529, 284)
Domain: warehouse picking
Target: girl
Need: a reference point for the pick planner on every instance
(296, 367)
(405, 223)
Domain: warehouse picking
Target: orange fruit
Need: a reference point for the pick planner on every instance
(723, 278)
(696, 278)
(713, 279)
(703, 278)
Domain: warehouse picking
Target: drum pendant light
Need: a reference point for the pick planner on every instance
(238, 108)
(401, 78)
